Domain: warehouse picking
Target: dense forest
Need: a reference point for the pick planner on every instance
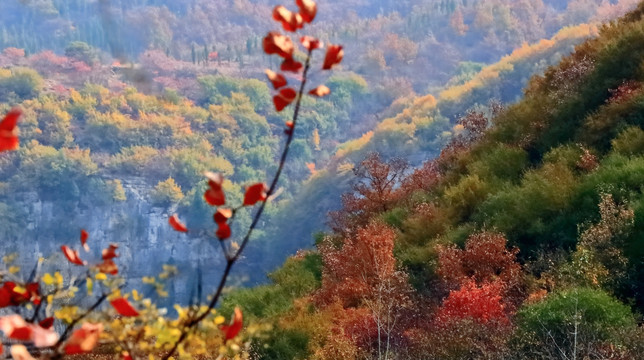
(468, 190)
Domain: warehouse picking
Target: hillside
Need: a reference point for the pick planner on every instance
(411, 44)
(126, 106)
(417, 128)
(521, 240)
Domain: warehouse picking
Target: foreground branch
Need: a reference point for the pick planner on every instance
(230, 261)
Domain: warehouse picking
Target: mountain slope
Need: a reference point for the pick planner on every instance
(525, 230)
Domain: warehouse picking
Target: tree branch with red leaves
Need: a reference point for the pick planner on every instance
(37, 336)
(283, 46)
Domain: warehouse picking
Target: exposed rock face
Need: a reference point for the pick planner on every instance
(145, 239)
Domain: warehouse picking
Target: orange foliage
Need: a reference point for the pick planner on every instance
(353, 270)
(485, 259)
(373, 193)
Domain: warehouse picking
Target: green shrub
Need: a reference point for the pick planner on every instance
(629, 142)
(501, 161)
(576, 321)
(22, 84)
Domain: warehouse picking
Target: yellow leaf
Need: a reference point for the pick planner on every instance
(101, 276)
(220, 320)
(59, 278)
(20, 290)
(48, 279)
(90, 286)
(14, 269)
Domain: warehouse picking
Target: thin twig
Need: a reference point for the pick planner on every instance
(69, 328)
(231, 260)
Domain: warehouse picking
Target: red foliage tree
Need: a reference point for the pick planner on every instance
(424, 178)
(361, 273)
(353, 269)
(482, 304)
(471, 323)
(373, 192)
(485, 259)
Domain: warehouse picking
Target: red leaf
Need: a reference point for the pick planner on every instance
(108, 267)
(223, 232)
(83, 340)
(176, 224)
(10, 120)
(222, 215)
(320, 91)
(230, 331)
(334, 55)
(84, 235)
(33, 292)
(291, 65)
(110, 252)
(16, 328)
(311, 43)
(278, 80)
(123, 307)
(72, 255)
(215, 180)
(8, 137)
(17, 298)
(276, 43)
(47, 323)
(290, 21)
(5, 297)
(308, 9)
(214, 195)
(284, 98)
(126, 356)
(255, 193)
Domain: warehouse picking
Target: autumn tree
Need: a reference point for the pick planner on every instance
(472, 322)
(361, 272)
(373, 192)
(484, 260)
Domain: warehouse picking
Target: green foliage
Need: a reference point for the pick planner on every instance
(135, 159)
(216, 89)
(466, 195)
(298, 276)
(629, 142)
(395, 217)
(81, 51)
(500, 161)
(56, 174)
(284, 344)
(20, 84)
(592, 316)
